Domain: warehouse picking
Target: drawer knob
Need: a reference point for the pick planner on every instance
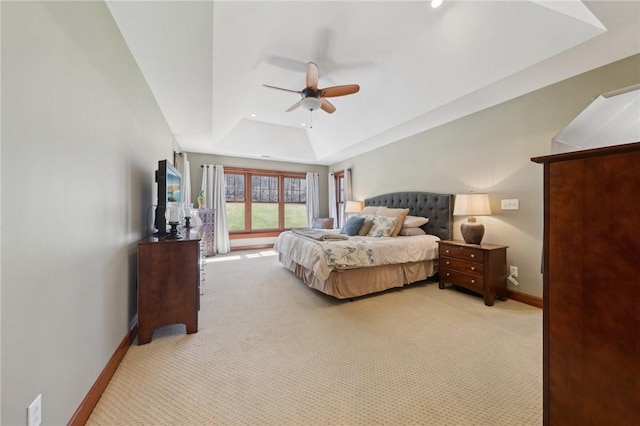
(446, 251)
(447, 274)
(447, 262)
(473, 268)
(473, 255)
(473, 281)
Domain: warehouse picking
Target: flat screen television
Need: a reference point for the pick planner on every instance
(168, 183)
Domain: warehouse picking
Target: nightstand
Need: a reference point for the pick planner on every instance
(481, 268)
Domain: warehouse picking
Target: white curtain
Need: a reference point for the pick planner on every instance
(348, 194)
(214, 198)
(220, 211)
(348, 191)
(332, 199)
(207, 185)
(313, 197)
(185, 182)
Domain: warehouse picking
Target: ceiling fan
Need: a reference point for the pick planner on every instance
(314, 98)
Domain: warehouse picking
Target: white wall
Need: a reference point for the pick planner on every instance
(490, 151)
(196, 160)
(81, 137)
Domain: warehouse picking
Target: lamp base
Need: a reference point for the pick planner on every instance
(173, 232)
(472, 232)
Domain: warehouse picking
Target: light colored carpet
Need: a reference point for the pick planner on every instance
(272, 351)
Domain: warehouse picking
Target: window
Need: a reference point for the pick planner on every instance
(234, 192)
(273, 201)
(295, 202)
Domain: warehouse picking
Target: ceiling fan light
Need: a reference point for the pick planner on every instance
(311, 103)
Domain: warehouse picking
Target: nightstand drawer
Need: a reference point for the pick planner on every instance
(462, 266)
(461, 252)
(469, 281)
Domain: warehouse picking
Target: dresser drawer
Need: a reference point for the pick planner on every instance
(461, 252)
(462, 266)
(472, 282)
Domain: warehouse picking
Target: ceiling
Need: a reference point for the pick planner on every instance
(417, 67)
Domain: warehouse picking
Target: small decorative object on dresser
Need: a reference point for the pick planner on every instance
(201, 200)
(481, 268)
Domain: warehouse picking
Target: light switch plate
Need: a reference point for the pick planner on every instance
(34, 412)
(512, 204)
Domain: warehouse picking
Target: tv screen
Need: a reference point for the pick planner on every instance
(168, 183)
(173, 185)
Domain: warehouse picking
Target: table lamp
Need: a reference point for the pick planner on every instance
(472, 205)
(353, 207)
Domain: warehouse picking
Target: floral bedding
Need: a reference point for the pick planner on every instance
(322, 257)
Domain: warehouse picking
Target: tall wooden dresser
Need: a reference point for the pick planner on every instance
(591, 265)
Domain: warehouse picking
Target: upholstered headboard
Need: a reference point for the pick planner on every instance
(437, 207)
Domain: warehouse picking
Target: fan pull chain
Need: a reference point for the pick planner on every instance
(311, 119)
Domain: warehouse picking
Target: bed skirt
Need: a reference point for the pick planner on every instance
(348, 283)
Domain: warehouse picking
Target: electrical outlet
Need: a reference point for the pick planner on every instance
(34, 412)
(513, 204)
(513, 271)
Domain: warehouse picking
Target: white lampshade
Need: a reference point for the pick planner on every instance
(311, 103)
(353, 207)
(472, 205)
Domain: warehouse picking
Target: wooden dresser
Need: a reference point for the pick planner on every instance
(481, 268)
(168, 283)
(591, 258)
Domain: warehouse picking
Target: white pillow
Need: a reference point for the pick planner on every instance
(407, 232)
(414, 221)
(382, 226)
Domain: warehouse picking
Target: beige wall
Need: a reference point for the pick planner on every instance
(196, 160)
(490, 151)
(81, 137)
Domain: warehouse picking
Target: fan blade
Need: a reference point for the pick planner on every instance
(327, 106)
(312, 76)
(332, 92)
(280, 88)
(286, 63)
(294, 106)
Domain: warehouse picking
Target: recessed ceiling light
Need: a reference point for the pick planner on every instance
(303, 124)
(435, 3)
(253, 114)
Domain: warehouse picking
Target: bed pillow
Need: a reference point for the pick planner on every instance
(400, 214)
(366, 226)
(383, 226)
(352, 226)
(369, 210)
(407, 232)
(414, 221)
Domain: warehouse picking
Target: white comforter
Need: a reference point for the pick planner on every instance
(357, 252)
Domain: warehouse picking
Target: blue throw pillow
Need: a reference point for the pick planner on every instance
(352, 226)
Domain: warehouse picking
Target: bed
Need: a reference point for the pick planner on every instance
(380, 263)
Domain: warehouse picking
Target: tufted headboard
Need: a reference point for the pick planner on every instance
(437, 207)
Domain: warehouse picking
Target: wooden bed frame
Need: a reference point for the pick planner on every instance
(350, 283)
